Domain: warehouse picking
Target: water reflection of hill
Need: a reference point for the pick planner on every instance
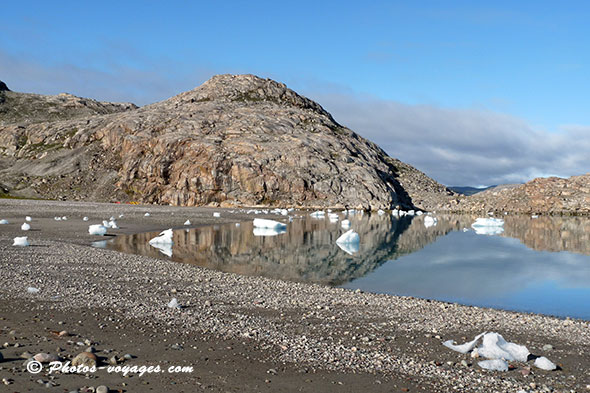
(307, 252)
(551, 233)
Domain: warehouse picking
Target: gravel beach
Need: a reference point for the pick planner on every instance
(238, 333)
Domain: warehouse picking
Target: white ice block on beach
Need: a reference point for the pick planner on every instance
(494, 365)
(97, 229)
(463, 348)
(173, 303)
(25, 227)
(545, 364)
(493, 347)
(21, 241)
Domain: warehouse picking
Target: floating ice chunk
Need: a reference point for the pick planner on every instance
(351, 211)
(173, 303)
(487, 222)
(318, 214)
(494, 365)
(345, 224)
(410, 212)
(216, 214)
(263, 223)
(164, 238)
(147, 214)
(3, 222)
(121, 215)
(97, 229)
(57, 218)
(495, 347)
(269, 231)
(349, 237)
(85, 219)
(187, 222)
(164, 248)
(105, 223)
(430, 221)
(21, 241)
(237, 224)
(463, 348)
(64, 218)
(490, 213)
(349, 248)
(395, 213)
(490, 231)
(545, 364)
(402, 213)
(113, 224)
(419, 213)
(380, 212)
(25, 227)
(32, 290)
(534, 216)
(28, 219)
(333, 217)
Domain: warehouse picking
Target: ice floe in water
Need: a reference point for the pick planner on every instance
(490, 231)
(165, 237)
(349, 237)
(380, 212)
(85, 219)
(164, 248)
(3, 222)
(333, 217)
(147, 214)
(430, 221)
(25, 227)
(28, 219)
(97, 229)
(187, 222)
(216, 214)
(318, 214)
(545, 364)
(349, 248)
(269, 224)
(345, 224)
(269, 231)
(21, 241)
(113, 224)
(488, 226)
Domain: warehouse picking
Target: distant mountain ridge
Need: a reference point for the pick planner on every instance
(236, 140)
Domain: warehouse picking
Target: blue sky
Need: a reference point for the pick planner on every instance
(461, 67)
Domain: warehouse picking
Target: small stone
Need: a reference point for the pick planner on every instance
(128, 356)
(24, 355)
(46, 357)
(85, 359)
(102, 389)
(271, 371)
(547, 347)
(113, 361)
(91, 349)
(207, 303)
(63, 333)
(464, 363)
(177, 347)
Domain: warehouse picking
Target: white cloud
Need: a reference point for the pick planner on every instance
(463, 146)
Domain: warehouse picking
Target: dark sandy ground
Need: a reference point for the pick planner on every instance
(238, 333)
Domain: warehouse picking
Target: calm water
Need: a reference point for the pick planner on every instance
(539, 265)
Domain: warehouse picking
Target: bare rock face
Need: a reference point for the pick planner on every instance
(540, 196)
(3, 86)
(235, 140)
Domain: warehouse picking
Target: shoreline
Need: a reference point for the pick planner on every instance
(331, 333)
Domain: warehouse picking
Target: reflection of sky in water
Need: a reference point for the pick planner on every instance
(404, 256)
(488, 271)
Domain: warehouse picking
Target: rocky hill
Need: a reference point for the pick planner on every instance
(540, 196)
(235, 140)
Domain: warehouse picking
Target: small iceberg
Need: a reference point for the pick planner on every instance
(28, 219)
(430, 221)
(216, 214)
(318, 214)
(380, 212)
(97, 229)
(21, 241)
(113, 224)
(146, 214)
(545, 364)
(187, 222)
(85, 219)
(489, 231)
(419, 213)
(64, 218)
(349, 237)
(3, 222)
(25, 227)
(57, 218)
(345, 224)
(164, 238)
(270, 224)
(487, 222)
(349, 248)
(269, 231)
(164, 248)
(333, 217)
